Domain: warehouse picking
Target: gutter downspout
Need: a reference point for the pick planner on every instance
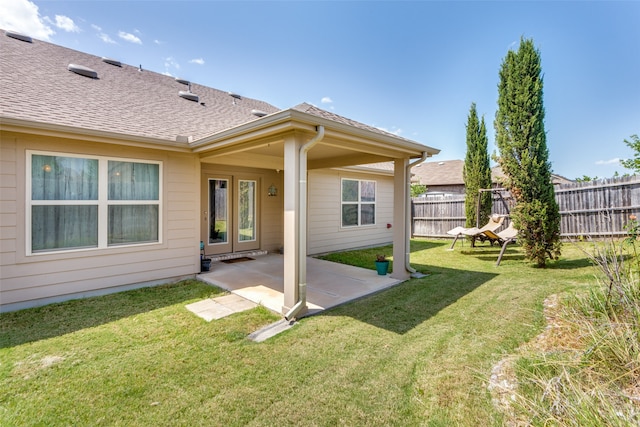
(302, 225)
(407, 222)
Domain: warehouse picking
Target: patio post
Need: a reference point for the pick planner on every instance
(399, 219)
(291, 221)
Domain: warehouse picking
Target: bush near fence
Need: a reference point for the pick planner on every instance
(596, 209)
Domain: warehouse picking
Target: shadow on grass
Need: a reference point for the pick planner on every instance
(570, 264)
(419, 245)
(53, 320)
(403, 307)
(491, 253)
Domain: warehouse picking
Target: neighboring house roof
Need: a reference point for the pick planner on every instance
(450, 172)
(439, 173)
(497, 175)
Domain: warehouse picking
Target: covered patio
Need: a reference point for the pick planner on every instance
(329, 284)
(297, 141)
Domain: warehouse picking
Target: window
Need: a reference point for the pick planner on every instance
(91, 202)
(247, 210)
(358, 202)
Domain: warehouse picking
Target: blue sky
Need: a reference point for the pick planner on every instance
(411, 68)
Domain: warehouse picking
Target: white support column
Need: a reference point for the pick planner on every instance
(291, 221)
(399, 219)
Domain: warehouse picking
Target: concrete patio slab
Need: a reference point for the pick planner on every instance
(329, 284)
(217, 308)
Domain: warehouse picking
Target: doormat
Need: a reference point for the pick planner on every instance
(234, 260)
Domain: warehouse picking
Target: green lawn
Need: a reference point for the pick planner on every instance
(417, 354)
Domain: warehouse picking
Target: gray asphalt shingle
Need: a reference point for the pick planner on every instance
(37, 86)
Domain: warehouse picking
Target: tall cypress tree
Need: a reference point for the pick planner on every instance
(476, 172)
(524, 157)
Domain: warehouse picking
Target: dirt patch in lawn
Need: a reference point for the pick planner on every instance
(503, 382)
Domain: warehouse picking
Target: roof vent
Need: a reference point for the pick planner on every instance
(189, 95)
(184, 138)
(18, 36)
(234, 95)
(258, 113)
(111, 61)
(183, 81)
(83, 71)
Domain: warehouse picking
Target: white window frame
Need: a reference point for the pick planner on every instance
(359, 203)
(103, 202)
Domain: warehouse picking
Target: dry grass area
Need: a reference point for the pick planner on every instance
(583, 369)
(558, 335)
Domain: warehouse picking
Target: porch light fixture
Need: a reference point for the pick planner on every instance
(272, 191)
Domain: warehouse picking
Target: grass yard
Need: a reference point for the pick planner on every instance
(418, 354)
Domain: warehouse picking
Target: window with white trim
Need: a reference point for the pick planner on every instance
(84, 202)
(358, 202)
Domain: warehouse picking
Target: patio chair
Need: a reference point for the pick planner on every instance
(495, 221)
(506, 236)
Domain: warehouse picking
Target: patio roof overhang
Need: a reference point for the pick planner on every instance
(295, 142)
(261, 143)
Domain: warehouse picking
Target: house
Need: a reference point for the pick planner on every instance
(112, 176)
(446, 177)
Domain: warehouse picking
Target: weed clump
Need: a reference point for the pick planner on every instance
(597, 381)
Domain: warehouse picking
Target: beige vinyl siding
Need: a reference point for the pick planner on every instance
(8, 204)
(42, 278)
(272, 230)
(326, 233)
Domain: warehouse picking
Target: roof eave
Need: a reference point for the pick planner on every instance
(287, 120)
(71, 132)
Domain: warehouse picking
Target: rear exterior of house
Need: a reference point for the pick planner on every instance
(327, 232)
(57, 244)
(111, 181)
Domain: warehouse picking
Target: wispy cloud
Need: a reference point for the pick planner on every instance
(23, 16)
(169, 63)
(608, 162)
(64, 23)
(198, 61)
(394, 131)
(326, 100)
(105, 38)
(129, 37)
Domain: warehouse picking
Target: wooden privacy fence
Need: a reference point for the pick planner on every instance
(596, 209)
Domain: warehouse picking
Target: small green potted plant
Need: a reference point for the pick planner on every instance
(382, 265)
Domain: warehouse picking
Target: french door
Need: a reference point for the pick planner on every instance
(230, 220)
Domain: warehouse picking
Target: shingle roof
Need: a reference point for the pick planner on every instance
(35, 85)
(312, 109)
(440, 173)
(449, 172)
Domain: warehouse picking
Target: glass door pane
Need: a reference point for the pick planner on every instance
(246, 211)
(218, 211)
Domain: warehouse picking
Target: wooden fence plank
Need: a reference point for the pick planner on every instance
(596, 209)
